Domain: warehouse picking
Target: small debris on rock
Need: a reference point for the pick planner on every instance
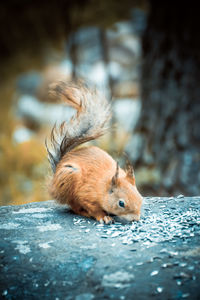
(159, 289)
(182, 275)
(167, 265)
(119, 279)
(185, 295)
(5, 293)
(85, 296)
(153, 273)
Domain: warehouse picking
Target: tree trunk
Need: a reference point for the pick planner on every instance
(170, 119)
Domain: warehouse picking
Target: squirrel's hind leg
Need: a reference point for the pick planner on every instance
(97, 213)
(100, 215)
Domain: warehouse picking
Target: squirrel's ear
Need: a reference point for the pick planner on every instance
(115, 177)
(130, 176)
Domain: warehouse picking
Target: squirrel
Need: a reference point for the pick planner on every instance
(87, 178)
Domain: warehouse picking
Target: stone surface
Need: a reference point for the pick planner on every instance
(47, 252)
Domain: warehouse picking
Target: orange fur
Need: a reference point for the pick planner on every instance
(88, 179)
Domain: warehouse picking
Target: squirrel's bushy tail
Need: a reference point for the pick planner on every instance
(90, 122)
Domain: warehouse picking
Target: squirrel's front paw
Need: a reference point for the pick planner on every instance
(106, 220)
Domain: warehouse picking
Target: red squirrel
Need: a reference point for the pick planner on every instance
(88, 179)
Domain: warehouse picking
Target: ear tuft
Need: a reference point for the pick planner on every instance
(130, 174)
(115, 177)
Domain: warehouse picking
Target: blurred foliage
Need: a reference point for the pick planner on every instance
(38, 36)
(35, 37)
(22, 172)
(35, 28)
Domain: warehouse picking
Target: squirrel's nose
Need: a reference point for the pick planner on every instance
(131, 217)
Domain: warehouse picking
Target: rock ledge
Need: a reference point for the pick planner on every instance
(47, 252)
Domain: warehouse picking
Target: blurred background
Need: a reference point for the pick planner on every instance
(143, 55)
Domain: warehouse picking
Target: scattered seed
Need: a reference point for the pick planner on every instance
(179, 282)
(185, 295)
(153, 273)
(159, 289)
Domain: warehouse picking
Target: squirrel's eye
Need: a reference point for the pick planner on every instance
(121, 203)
